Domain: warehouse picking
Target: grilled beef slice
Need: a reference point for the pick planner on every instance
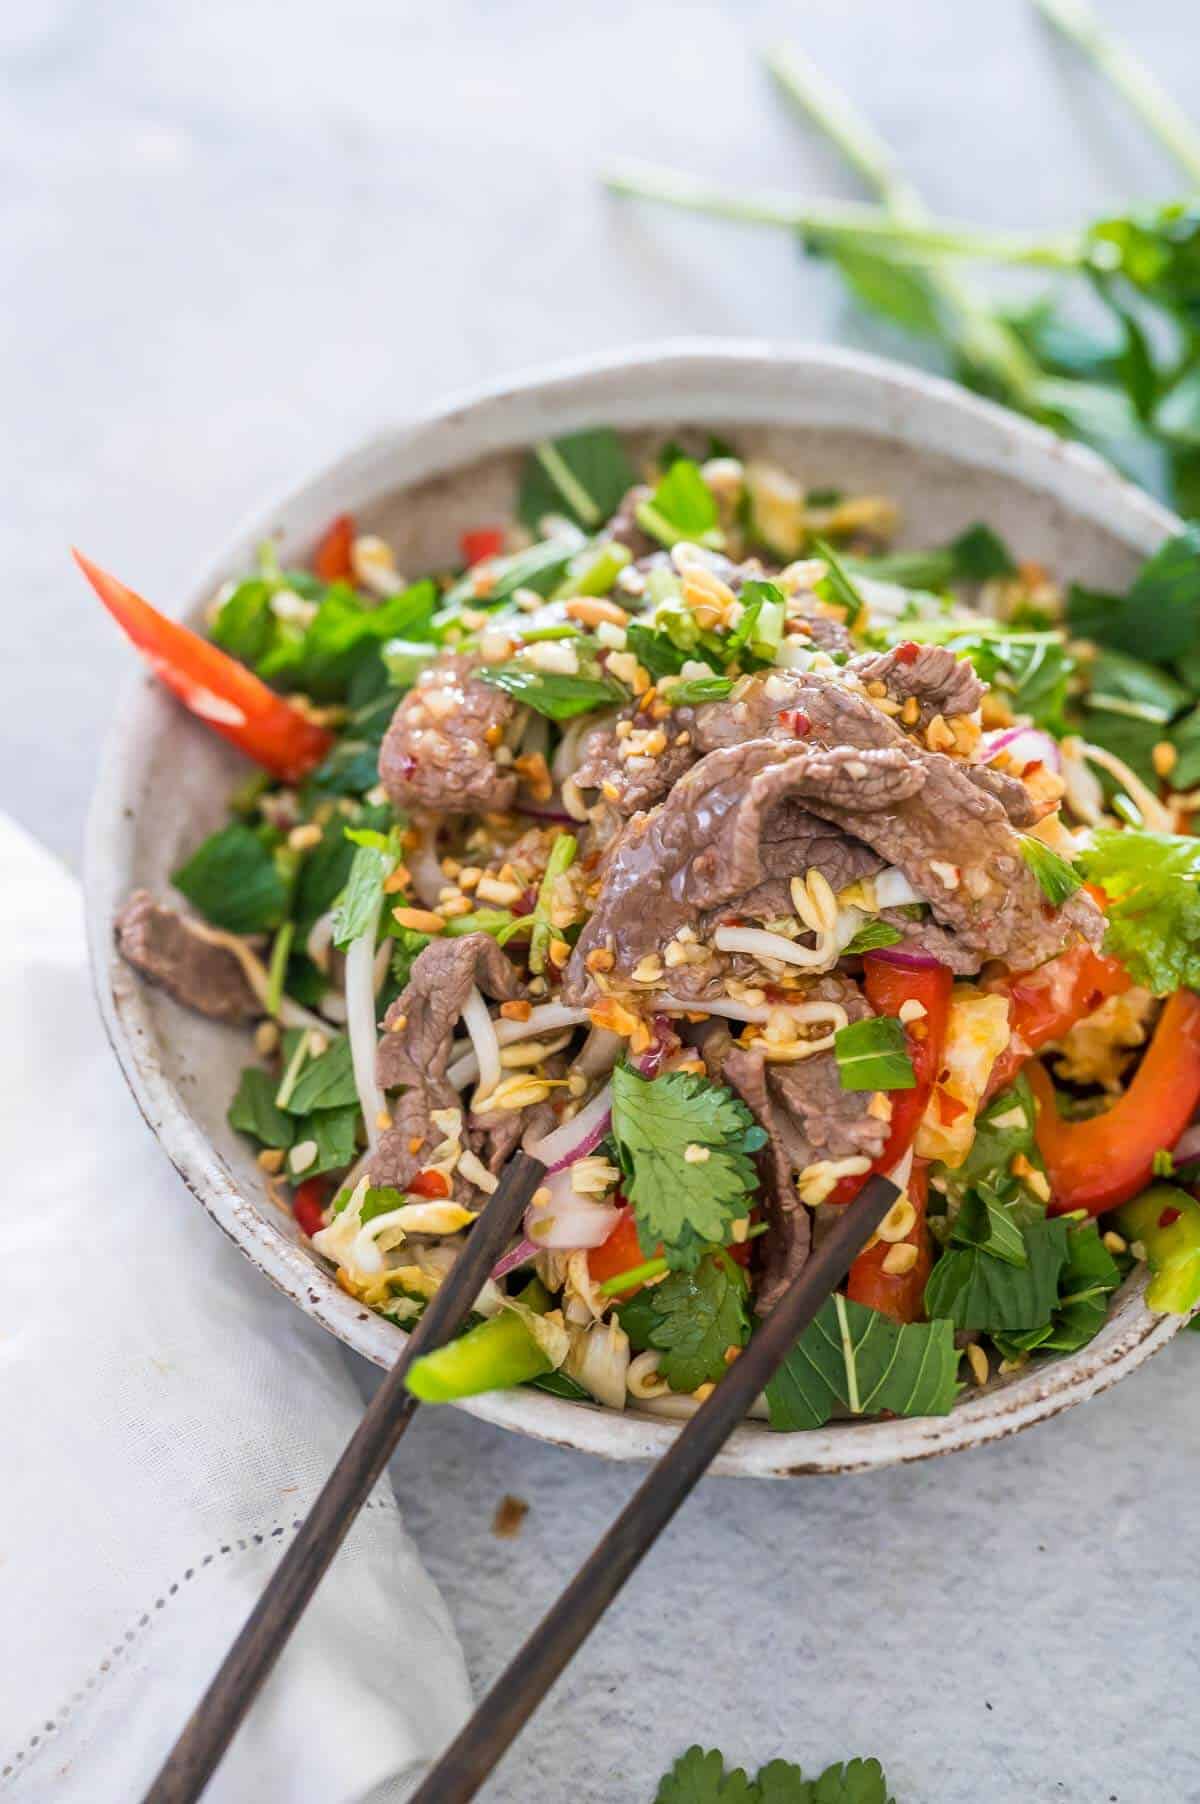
(941, 682)
(439, 752)
(165, 947)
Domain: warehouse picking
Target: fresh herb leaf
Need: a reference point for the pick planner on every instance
(980, 555)
(358, 907)
(873, 1055)
(687, 1204)
(759, 630)
(540, 567)
(551, 693)
(253, 1110)
(1185, 738)
(333, 1133)
(326, 1082)
(1057, 879)
(1085, 1284)
(583, 475)
(1152, 881)
(872, 936)
(691, 1319)
(236, 881)
(682, 507)
(655, 650)
(1005, 1130)
(857, 1359)
(1159, 617)
(976, 1289)
(694, 690)
(835, 586)
(898, 291)
(379, 1200)
(1123, 685)
(409, 945)
(987, 1224)
(700, 1777)
(322, 876)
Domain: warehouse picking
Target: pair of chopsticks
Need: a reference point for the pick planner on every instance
(520, 1688)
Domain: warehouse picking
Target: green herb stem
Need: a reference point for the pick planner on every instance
(280, 953)
(1163, 116)
(867, 227)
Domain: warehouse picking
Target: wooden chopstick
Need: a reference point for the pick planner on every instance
(525, 1681)
(214, 1722)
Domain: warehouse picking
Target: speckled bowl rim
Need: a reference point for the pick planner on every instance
(455, 433)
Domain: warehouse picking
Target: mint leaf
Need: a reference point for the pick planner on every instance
(552, 693)
(980, 555)
(1159, 617)
(1057, 880)
(854, 1358)
(835, 586)
(358, 908)
(583, 475)
(236, 881)
(253, 1110)
(873, 1055)
(686, 1203)
(872, 936)
(681, 507)
(976, 1289)
(326, 1082)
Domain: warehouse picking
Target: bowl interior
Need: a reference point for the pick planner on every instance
(836, 421)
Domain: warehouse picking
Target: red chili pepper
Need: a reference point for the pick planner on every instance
(221, 692)
(898, 1294)
(481, 542)
(429, 1184)
(1169, 1216)
(332, 561)
(907, 653)
(796, 721)
(1105, 1159)
(308, 1205)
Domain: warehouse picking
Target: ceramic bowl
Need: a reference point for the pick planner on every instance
(834, 417)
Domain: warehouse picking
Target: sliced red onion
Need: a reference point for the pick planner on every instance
(519, 1255)
(566, 1221)
(1025, 745)
(905, 961)
(1187, 1147)
(576, 1138)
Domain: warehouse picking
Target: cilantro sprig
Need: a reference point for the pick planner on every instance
(685, 1147)
(1152, 882)
(692, 1319)
(702, 1777)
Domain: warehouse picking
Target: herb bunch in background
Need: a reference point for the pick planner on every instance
(1122, 375)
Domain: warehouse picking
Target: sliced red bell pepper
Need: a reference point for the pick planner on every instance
(888, 987)
(898, 1294)
(223, 693)
(481, 542)
(332, 561)
(1046, 1003)
(619, 1253)
(432, 1184)
(1103, 1161)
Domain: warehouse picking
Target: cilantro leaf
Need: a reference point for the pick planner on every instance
(1152, 881)
(1057, 879)
(583, 474)
(975, 1288)
(873, 1055)
(692, 1319)
(854, 1358)
(236, 881)
(551, 693)
(700, 1778)
(687, 1204)
(254, 1110)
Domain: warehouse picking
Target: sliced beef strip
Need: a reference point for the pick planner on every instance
(407, 1146)
(808, 1117)
(727, 838)
(442, 978)
(165, 947)
(439, 752)
(627, 784)
(941, 682)
(1010, 792)
(954, 843)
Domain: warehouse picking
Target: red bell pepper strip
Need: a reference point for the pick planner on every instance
(1100, 1162)
(332, 561)
(888, 986)
(622, 1252)
(221, 692)
(900, 1295)
(1046, 1003)
(308, 1205)
(481, 542)
(429, 1184)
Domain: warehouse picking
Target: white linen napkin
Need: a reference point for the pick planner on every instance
(166, 1418)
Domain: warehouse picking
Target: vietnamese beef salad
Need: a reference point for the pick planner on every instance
(688, 837)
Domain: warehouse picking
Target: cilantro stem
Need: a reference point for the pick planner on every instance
(867, 227)
(1142, 92)
(987, 341)
(280, 952)
(853, 1400)
(655, 1268)
(295, 1064)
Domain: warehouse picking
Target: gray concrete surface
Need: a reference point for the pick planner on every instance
(239, 236)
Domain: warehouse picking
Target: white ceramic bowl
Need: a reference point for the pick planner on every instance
(834, 417)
